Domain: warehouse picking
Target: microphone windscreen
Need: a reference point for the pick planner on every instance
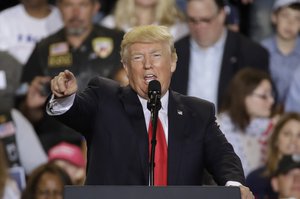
(154, 86)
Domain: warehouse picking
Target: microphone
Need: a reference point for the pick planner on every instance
(154, 94)
(154, 105)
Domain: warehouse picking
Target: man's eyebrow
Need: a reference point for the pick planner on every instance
(136, 53)
(156, 50)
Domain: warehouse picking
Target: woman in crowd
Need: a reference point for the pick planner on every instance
(284, 140)
(46, 181)
(245, 116)
(70, 158)
(130, 13)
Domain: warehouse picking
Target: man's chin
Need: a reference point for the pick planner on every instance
(75, 31)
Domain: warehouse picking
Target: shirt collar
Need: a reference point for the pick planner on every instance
(295, 51)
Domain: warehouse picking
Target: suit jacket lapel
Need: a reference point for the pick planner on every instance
(134, 110)
(181, 75)
(228, 64)
(177, 117)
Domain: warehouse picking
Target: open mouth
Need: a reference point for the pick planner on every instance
(149, 78)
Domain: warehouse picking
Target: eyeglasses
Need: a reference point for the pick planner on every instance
(205, 20)
(264, 96)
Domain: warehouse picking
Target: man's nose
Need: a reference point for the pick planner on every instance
(147, 62)
(76, 11)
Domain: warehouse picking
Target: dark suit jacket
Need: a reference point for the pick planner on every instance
(112, 120)
(239, 52)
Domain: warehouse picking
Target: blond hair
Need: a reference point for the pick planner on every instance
(147, 34)
(166, 13)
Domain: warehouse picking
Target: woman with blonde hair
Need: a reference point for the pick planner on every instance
(284, 140)
(130, 13)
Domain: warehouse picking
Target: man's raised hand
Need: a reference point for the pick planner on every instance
(64, 84)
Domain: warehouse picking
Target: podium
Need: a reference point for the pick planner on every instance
(146, 192)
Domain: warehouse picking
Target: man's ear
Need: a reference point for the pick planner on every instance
(223, 15)
(173, 67)
(97, 7)
(174, 63)
(125, 67)
(58, 4)
(274, 19)
(274, 183)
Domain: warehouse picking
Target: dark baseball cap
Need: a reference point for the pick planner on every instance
(287, 163)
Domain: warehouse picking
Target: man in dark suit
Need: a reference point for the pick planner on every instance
(114, 120)
(211, 55)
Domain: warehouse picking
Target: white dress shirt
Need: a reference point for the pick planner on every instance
(162, 114)
(204, 70)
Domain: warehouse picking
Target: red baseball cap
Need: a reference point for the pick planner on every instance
(69, 152)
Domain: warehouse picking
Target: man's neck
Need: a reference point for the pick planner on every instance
(285, 46)
(76, 40)
(38, 11)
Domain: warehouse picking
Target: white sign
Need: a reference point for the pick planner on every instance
(3, 83)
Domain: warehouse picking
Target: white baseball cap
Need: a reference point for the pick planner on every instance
(283, 3)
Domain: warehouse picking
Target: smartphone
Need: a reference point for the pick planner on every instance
(46, 89)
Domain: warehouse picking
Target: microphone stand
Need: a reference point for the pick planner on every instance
(154, 107)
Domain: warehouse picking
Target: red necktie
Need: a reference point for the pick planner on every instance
(161, 155)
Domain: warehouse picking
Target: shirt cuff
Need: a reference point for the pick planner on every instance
(233, 183)
(58, 106)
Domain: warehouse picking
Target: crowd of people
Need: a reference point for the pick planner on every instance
(252, 79)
